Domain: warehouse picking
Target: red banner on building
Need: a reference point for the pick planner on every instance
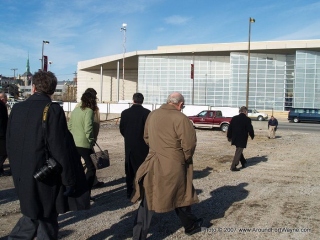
(192, 71)
(45, 63)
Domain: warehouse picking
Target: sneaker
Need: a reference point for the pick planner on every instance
(196, 227)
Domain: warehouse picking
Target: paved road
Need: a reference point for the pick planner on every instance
(285, 125)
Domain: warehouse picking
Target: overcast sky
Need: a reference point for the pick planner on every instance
(85, 29)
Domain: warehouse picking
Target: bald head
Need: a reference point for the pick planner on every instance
(175, 98)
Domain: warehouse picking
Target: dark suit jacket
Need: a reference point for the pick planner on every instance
(3, 128)
(132, 129)
(239, 128)
(26, 152)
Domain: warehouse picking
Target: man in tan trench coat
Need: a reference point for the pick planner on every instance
(164, 180)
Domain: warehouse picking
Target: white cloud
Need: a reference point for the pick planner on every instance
(176, 20)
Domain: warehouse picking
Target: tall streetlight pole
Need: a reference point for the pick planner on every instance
(124, 30)
(251, 20)
(14, 72)
(43, 42)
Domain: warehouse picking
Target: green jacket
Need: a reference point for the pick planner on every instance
(81, 126)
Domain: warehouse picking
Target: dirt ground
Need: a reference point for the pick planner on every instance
(275, 197)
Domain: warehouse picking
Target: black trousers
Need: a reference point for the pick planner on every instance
(91, 169)
(144, 216)
(131, 167)
(42, 228)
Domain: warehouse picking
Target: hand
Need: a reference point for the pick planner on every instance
(70, 190)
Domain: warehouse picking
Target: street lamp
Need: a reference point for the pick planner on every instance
(43, 43)
(124, 30)
(251, 20)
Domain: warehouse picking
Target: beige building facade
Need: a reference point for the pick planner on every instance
(282, 74)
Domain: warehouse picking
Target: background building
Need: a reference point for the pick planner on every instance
(283, 74)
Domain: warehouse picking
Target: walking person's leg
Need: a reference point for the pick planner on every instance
(142, 221)
(91, 169)
(189, 221)
(273, 131)
(26, 228)
(236, 158)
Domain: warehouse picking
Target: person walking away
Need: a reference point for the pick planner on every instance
(40, 202)
(96, 129)
(131, 128)
(164, 180)
(81, 126)
(3, 130)
(272, 126)
(239, 129)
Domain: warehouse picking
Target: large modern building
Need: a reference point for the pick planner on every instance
(283, 74)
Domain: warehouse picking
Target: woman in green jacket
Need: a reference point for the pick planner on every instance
(81, 127)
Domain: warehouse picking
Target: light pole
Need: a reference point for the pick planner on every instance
(43, 42)
(251, 20)
(124, 30)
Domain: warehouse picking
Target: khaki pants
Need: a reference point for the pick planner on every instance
(272, 132)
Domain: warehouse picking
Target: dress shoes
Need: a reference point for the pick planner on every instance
(235, 169)
(196, 227)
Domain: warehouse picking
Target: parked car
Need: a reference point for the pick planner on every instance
(210, 119)
(254, 114)
(304, 115)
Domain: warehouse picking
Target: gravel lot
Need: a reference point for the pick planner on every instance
(275, 197)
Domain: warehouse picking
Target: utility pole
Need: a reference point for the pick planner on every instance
(14, 72)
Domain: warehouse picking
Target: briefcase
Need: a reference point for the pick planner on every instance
(100, 159)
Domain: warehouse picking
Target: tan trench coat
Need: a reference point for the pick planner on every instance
(167, 172)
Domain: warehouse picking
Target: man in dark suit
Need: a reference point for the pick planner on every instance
(40, 202)
(3, 129)
(132, 129)
(239, 128)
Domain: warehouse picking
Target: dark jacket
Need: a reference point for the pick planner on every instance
(25, 147)
(3, 128)
(132, 127)
(239, 128)
(273, 122)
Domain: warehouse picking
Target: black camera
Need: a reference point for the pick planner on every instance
(51, 168)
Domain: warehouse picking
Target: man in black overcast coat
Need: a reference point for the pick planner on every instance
(239, 128)
(132, 129)
(40, 202)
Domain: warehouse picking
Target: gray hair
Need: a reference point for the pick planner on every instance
(175, 98)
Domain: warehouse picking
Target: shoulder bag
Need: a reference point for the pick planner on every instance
(100, 159)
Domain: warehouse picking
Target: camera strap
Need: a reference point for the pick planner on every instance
(44, 128)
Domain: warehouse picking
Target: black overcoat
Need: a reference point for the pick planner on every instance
(239, 128)
(3, 128)
(131, 126)
(25, 147)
